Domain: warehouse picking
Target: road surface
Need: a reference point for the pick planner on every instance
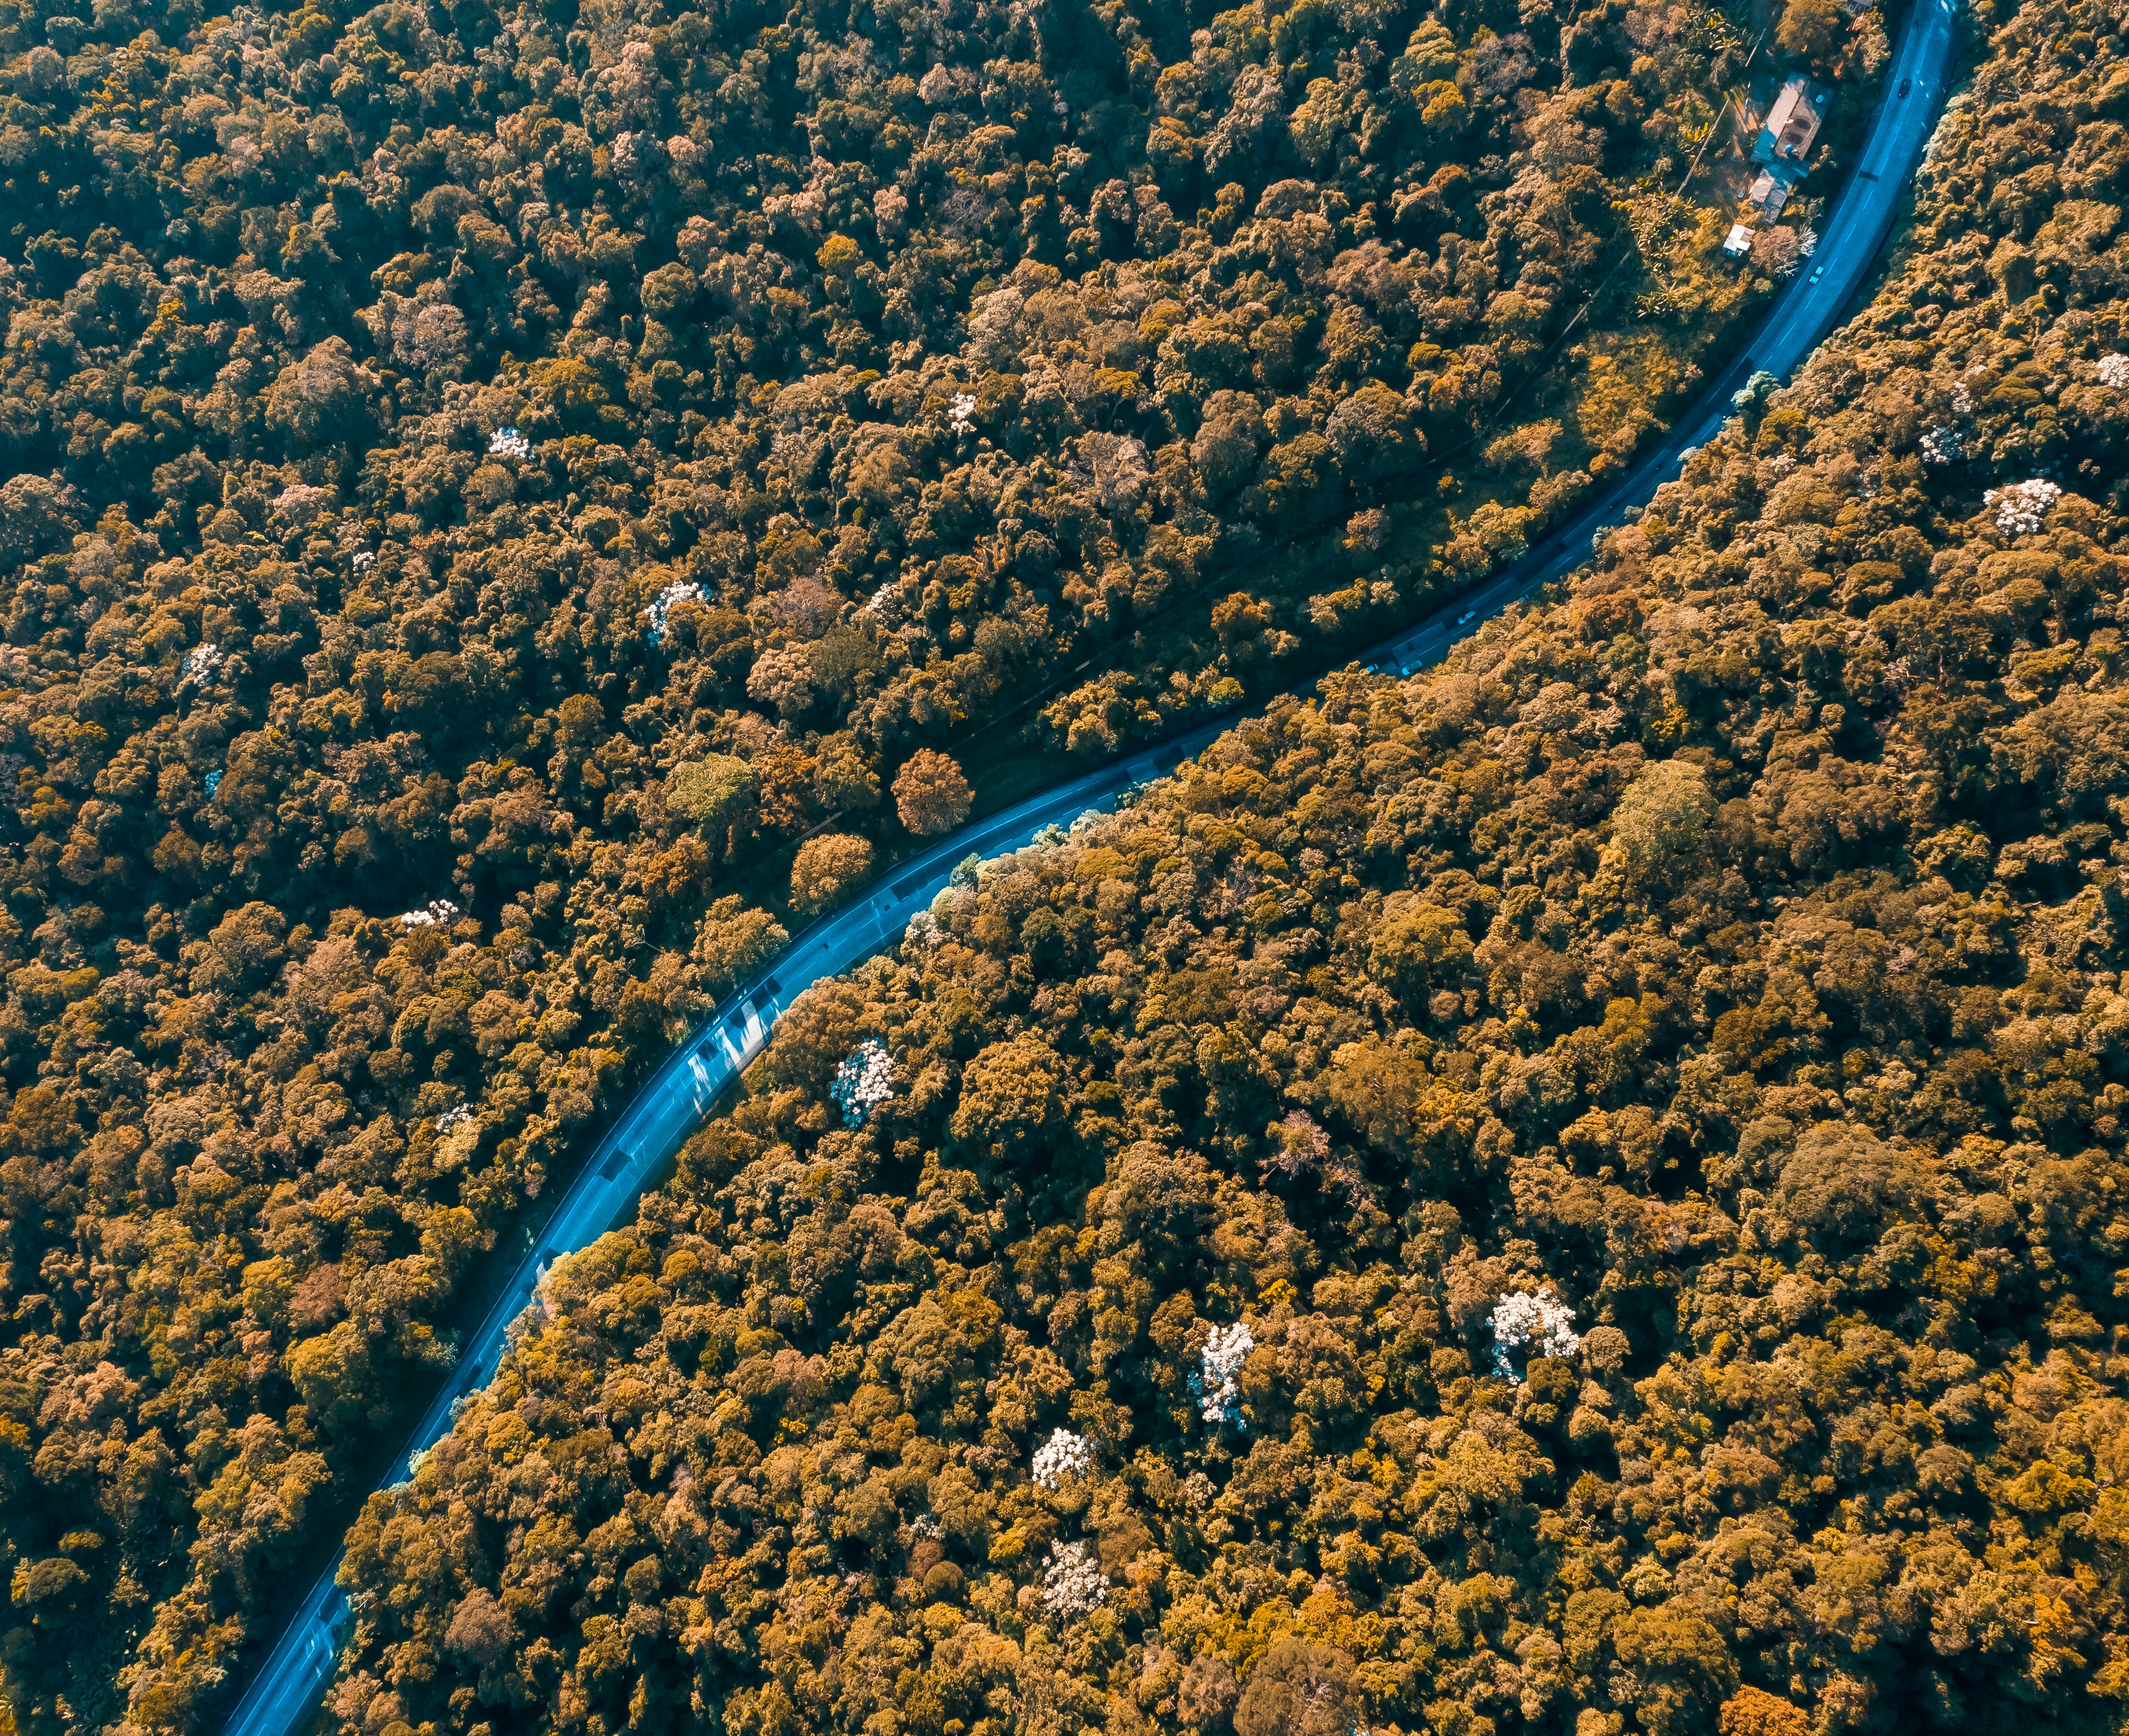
(673, 1103)
(1862, 219)
(670, 1106)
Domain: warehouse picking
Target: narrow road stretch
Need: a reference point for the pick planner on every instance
(668, 1109)
(1915, 85)
(673, 1103)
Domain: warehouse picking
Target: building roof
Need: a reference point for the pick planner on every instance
(1792, 123)
(1739, 241)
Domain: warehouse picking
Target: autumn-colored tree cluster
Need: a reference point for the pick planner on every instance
(1728, 949)
(1689, 969)
(479, 481)
(876, 365)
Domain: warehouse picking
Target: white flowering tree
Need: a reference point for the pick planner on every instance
(1213, 1385)
(439, 913)
(1072, 1584)
(1541, 1323)
(2114, 372)
(1063, 1454)
(2021, 507)
(508, 443)
(665, 603)
(202, 664)
(1946, 443)
(863, 1082)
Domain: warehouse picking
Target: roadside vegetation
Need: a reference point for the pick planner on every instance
(482, 483)
(1725, 950)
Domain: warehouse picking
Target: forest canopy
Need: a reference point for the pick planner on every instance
(1577, 1191)
(508, 510)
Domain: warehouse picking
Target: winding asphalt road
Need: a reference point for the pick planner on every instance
(672, 1104)
(1862, 217)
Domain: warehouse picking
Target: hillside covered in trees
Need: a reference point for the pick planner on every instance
(483, 485)
(1728, 950)
(480, 482)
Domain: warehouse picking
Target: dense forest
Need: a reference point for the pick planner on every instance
(507, 510)
(1580, 1191)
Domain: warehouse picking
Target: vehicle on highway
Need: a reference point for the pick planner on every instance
(1467, 618)
(1906, 85)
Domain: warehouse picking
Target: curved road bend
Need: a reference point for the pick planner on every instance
(664, 1112)
(673, 1100)
(1862, 218)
